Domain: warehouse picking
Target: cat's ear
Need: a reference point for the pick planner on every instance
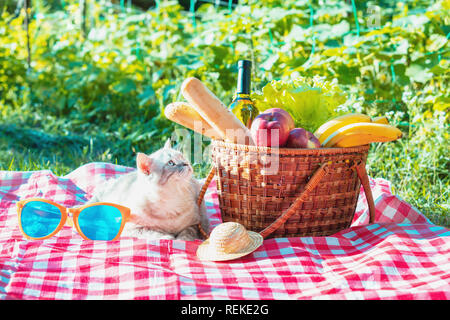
(168, 144)
(144, 163)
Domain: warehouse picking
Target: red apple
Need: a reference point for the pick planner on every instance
(300, 138)
(290, 120)
(267, 125)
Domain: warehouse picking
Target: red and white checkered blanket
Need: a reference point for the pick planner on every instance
(402, 256)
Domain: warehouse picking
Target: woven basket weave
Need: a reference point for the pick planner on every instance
(289, 192)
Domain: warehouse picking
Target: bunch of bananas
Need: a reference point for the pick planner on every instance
(356, 129)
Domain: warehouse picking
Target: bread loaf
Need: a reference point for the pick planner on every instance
(183, 113)
(210, 108)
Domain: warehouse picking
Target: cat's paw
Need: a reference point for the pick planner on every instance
(155, 235)
(167, 237)
(147, 234)
(189, 234)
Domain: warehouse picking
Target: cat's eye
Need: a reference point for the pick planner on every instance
(171, 163)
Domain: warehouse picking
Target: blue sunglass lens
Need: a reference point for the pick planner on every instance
(101, 222)
(39, 219)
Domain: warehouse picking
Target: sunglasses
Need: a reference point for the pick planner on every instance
(41, 219)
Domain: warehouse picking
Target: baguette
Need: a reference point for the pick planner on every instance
(210, 108)
(183, 113)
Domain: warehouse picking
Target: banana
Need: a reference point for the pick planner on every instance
(357, 134)
(329, 127)
(353, 140)
(381, 119)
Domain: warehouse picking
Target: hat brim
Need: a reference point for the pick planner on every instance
(207, 253)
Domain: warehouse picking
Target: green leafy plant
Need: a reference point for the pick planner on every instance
(311, 102)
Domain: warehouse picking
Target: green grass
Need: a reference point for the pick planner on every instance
(418, 165)
(23, 149)
(414, 176)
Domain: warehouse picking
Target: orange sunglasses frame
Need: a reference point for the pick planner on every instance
(72, 221)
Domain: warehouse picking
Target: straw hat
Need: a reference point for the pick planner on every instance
(228, 241)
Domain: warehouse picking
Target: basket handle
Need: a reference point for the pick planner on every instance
(362, 175)
(201, 195)
(312, 183)
(360, 168)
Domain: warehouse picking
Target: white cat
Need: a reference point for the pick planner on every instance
(162, 195)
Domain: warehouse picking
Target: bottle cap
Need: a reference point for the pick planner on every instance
(244, 64)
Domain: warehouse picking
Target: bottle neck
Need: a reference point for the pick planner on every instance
(243, 83)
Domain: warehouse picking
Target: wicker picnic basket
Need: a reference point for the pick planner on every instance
(282, 192)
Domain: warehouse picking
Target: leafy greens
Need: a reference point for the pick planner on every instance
(310, 101)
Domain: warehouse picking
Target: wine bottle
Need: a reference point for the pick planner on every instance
(242, 106)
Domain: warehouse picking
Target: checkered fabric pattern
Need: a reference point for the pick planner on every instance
(402, 256)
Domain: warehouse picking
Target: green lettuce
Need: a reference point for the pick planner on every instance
(310, 101)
